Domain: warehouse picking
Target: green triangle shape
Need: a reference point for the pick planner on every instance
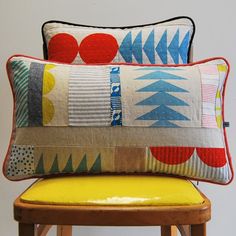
(69, 167)
(54, 168)
(82, 168)
(40, 167)
(96, 168)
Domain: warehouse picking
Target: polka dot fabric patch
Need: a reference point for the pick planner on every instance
(21, 161)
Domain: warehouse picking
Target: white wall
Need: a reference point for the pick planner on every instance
(20, 23)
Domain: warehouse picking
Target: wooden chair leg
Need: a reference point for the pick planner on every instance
(168, 230)
(198, 230)
(184, 230)
(64, 230)
(26, 229)
(42, 230)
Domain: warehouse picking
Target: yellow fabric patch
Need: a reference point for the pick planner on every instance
(113, 190)
(218, 109)
(56, 89)
(48, 110)
(48, 79)
(219, 121)
(218, 94)
(48, 85)
(222, 67)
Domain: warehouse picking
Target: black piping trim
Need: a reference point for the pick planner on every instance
(45, 50)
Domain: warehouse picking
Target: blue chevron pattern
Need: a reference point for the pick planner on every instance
(164, 123)
(137, 48)
(162, 68)
(161, 86)
(162, 113)
(148, 47)
(174, 48)
(126, 48)
(183, 52)
(161, 48)
(162, 98)
(158, 74)
(130, 47)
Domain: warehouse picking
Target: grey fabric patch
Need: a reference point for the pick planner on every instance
(35, 94)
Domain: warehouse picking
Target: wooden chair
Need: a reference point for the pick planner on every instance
(112, 201)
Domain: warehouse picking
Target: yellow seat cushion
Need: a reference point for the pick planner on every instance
(113, 190)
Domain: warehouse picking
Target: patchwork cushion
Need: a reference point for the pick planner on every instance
(164, 42)
(90, 119)
(116, 190)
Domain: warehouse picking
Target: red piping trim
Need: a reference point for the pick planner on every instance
(124, 63)
(13, 132)
(223, 118)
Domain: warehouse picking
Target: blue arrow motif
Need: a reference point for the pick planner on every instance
(183, 49)
(161, 86)
(164, 123)
(174, 48)
(162, 113)
(162, 98)
(158, 68)
(126, 48)
(137, 48)
(148, 47)
(160, 75)
(161, 48)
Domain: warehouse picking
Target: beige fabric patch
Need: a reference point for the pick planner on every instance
(129, 159)
(119, 136)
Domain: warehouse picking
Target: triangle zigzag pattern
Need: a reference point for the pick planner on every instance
(68, 168)
(163, 113)
(130, 47)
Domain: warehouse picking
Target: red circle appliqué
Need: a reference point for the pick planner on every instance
(98, 48)
(63, 48)
(172, 155)
(214, 157)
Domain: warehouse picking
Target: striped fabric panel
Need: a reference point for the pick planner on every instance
(193, 168)
(210, 82)
(35, 94)
(89, 96)
(20, 72)
(208, 121)
(209, 93)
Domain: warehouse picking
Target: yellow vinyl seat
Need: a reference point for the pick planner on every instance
(113, 190)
